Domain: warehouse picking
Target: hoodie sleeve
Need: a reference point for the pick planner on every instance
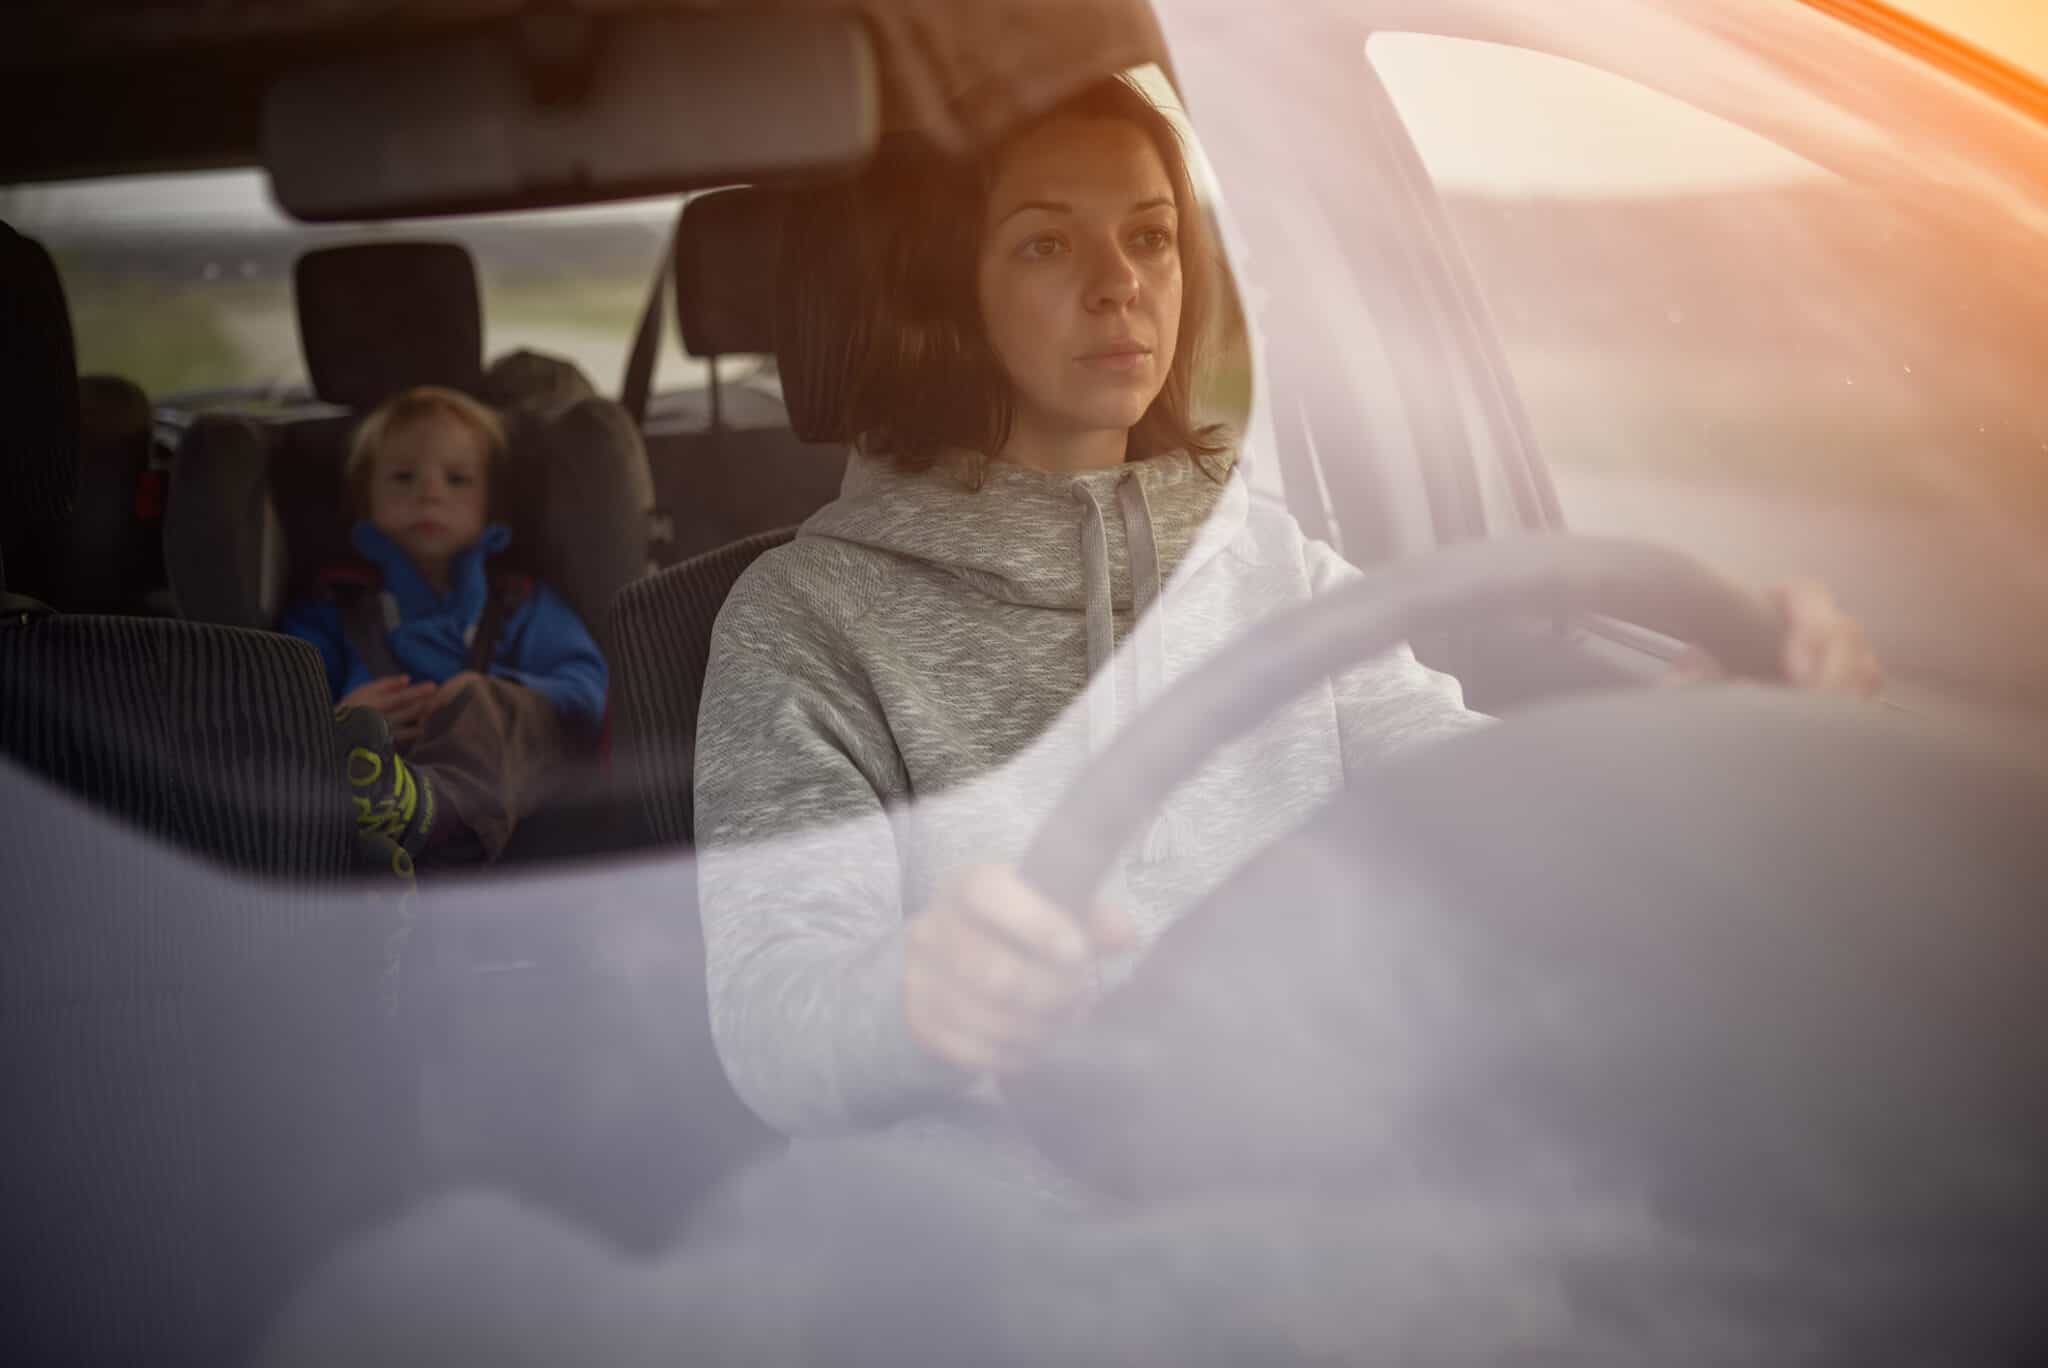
(551, 652)
(318, 620)
(798, 876)
(1391, 703)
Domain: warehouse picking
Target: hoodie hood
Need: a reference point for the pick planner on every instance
(1098, 543)
(1023, 536)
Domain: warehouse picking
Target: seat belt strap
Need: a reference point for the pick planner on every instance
(638, 382)
(362, 622)
(504, 599)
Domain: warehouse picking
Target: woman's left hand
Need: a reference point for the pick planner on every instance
(1824, 649)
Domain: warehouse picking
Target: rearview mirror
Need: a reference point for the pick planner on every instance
(583, 109)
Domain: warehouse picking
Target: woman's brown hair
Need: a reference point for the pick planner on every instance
(935, 386)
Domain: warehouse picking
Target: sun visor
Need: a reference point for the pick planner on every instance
(571, 110)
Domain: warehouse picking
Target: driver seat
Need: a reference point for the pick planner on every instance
(658, 634)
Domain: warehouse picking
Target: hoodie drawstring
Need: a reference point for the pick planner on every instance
(1151, 627)
(1100, 612)
(1164, 840)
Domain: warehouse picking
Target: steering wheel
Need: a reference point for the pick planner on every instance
(1756, 977)
(1544, 574)
(1534, 575)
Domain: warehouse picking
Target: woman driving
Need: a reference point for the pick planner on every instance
(1035, 536)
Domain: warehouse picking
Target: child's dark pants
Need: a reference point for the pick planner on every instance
(495, 750)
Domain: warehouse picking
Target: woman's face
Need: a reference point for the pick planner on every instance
(1079, 275)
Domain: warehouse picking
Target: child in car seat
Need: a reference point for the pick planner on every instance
(460, 687)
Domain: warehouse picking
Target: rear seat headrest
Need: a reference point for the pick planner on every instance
(728, 250)
(39, 389)
(379, 317)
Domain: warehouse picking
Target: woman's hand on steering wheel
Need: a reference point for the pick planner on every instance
(991, 966)
(1824, 649)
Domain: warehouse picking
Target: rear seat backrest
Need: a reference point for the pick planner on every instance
(116, 558)
(224, 546)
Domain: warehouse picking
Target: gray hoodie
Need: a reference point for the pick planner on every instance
(911, 685)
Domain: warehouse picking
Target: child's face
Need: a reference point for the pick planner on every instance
(428, 488)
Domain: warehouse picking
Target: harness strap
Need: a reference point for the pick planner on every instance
(507, 593)
(360, 599)
(362, 621)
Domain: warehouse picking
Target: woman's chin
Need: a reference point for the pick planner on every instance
(1106, 412)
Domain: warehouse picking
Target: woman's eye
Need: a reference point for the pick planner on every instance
(459, 478)
(1040, 247)
(401, 477)
(1155, 239)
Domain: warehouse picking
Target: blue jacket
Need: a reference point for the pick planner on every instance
(542, 644)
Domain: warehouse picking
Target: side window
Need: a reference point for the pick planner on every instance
(1727, 348)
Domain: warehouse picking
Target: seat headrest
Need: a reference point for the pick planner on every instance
(379, 317)
(39, 392)
(728, 255)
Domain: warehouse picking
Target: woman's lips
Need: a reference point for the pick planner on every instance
(1117, 358)
(429, 528)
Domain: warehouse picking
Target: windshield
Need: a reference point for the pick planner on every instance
(521, 879)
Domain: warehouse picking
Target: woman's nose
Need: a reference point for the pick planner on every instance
(1114, 282)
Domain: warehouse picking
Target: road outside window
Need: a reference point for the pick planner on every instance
(1725, 347)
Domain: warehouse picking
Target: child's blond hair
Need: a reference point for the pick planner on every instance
(421, 401)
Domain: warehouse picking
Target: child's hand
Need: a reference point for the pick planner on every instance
(452, 687)
(405, 705)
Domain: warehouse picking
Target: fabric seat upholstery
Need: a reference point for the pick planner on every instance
(659, 638)
(214, 739)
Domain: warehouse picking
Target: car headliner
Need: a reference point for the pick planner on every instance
(106, 86)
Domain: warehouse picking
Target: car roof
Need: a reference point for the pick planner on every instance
(100, 87)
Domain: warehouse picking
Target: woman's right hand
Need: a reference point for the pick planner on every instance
(990, 966)
(405, 705)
